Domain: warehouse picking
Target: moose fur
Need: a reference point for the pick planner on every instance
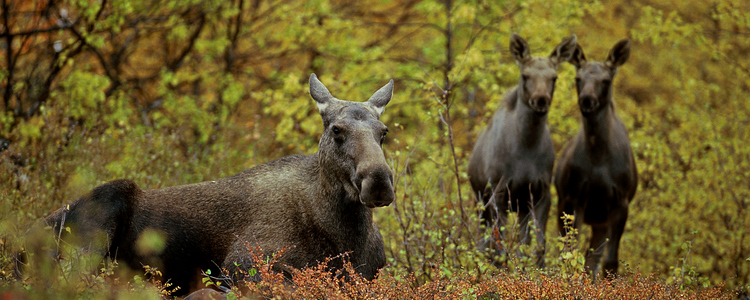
(315, 206)
(596, 176)
(511, 165)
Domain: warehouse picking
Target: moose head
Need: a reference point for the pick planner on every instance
(351, 144)
(594, 79)
(538, 74)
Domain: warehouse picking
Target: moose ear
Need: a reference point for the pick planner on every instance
(519, 48)
(564, 51)
(382, 97)
(578, 58)
(319, 92)
(619, 54)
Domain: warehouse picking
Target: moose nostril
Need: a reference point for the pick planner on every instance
(540, 103)
(588, 103)
(376, 187)
(358, 181)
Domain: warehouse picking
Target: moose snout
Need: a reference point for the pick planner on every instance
(375, 187)
(540, 103)
(587, 103)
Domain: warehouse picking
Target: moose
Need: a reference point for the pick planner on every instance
(596, 176)
(312, 206)
(511, 165)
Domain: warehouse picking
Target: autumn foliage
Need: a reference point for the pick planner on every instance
(173, 92)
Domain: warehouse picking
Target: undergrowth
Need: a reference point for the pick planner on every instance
(80, 275)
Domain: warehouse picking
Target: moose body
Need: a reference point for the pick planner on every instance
(511, 165)
(314, 206)
(596, 176)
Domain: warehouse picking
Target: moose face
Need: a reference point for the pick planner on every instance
(538, 81)
(350, 148)
(539, 74)
(594, 79)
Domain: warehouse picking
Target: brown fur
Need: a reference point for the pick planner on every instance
(511, 165)
(596, 176)
(316, 206)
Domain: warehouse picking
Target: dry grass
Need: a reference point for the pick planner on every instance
(321, 283)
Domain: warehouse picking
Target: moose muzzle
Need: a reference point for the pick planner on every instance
(588, 103)
(540, 103)
(375, 187)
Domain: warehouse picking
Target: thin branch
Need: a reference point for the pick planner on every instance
(394, 27)
(9, 56)
(193, 38)
(8, 34)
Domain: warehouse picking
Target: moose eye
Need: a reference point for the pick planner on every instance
(382, 137)
(336, 130)
(525, 77)
(554, 80)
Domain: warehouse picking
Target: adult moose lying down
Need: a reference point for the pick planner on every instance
(316, 206)
(511, 165)
(596, 177)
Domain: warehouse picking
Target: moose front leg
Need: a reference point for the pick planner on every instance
(540, 213)
(596, 248)
(611, 262)
(496, 208)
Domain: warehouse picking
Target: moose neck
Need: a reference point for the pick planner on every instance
(335, 205)
(530, 125)
(597, 128)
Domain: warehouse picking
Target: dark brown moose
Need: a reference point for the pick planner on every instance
(511, 165)
(316, 206)
(596, 176)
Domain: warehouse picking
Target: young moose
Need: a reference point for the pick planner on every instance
(596, 177)
(315, 206)
(511, 165)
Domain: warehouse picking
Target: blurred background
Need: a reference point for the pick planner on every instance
(174, 92)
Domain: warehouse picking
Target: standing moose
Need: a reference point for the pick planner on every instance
(596, 176)
(316, 206)
(511, 165)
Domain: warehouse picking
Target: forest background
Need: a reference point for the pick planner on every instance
(175, 92)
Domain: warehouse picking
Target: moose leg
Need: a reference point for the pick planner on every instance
(611, 262)
(535, 215)
(495, 215)
(488, 219)
(524, 217)
(490, 213)
(540, 213)
(596, 248)
(239, 260)
(525, 231)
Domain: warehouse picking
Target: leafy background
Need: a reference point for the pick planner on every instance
(174, 92)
